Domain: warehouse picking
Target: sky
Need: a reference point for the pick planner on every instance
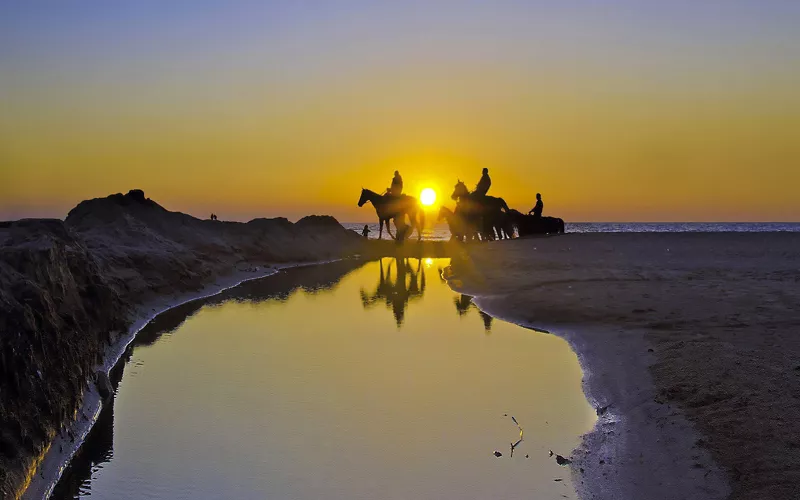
(613, 110)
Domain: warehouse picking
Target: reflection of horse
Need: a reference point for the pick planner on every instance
(395, 207)
(528, 224)
(407, 285)
(464, 303)
(484, 213)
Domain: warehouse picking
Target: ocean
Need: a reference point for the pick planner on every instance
(440, 232)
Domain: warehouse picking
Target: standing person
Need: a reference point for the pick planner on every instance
(365, 232)
(484, 184)
(539, 208)
(397, 184)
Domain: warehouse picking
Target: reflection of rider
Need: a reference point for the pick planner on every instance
(484, 184)
(397, 184)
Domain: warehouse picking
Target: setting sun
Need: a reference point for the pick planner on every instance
(427, 197)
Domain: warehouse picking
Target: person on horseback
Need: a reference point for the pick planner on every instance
(397, 184)
(484, 184)
(539, 208)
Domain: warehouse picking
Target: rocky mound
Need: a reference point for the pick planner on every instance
(66, 286)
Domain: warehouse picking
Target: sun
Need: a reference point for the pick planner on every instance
(427, 197)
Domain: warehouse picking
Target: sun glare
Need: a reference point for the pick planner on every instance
(427, 197)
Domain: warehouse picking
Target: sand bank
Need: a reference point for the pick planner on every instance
(74, 291)
(691, 338)
(70, 439)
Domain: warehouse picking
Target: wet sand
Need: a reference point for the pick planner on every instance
(692, 340)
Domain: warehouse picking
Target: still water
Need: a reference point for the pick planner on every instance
(347, 380)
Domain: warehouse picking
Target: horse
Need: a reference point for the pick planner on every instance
(458, 228)
(528, 224)
(394, 207)
(482, 212)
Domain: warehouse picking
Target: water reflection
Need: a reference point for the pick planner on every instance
(98, 448)
(464, 304)
(279, 287)
(408, 284)
(282, 389)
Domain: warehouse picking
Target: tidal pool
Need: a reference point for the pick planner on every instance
(339, 381)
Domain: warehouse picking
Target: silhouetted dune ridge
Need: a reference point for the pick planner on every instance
(70, 288)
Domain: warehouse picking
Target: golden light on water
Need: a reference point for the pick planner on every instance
(427, 197)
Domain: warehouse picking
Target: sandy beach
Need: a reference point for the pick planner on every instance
(690, 338)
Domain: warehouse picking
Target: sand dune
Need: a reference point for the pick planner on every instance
(70, 289)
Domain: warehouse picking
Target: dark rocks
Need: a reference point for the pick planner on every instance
(560, 460)
(601, 410)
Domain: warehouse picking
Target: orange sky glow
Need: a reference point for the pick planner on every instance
(611, 120)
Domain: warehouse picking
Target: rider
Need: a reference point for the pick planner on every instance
(537, 210)
(397, 184)
(484, 184)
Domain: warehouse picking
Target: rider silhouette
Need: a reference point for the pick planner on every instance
(539, 208)
(484, 184)
(397, 184)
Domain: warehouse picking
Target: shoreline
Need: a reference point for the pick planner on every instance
(607, 464)
(682, 327)
(53, 463)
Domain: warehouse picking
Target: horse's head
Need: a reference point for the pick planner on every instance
(364, 197)
(460, 190)
(444, 213)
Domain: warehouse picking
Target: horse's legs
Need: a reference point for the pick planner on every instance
(389, 227)
(380, 229)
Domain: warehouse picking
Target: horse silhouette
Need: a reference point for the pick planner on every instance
(456, 224)
(529, 224)
(395, 207)
(484, 213)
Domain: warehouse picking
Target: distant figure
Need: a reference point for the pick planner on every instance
(484, 184)
(365, 232)
(397, 184)
(213, 216)
(537, 210)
